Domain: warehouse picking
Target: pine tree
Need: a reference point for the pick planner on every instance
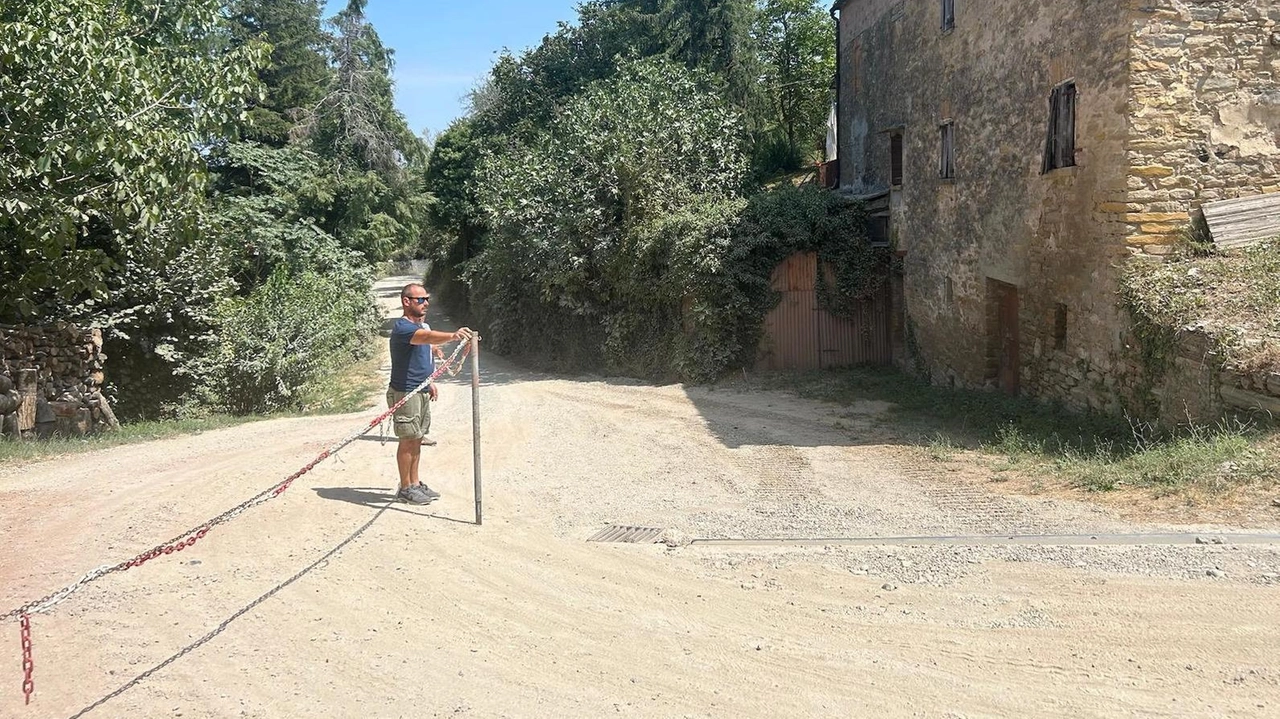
(356, 120)
(295, 79)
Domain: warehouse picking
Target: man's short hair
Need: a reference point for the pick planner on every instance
(404, 291)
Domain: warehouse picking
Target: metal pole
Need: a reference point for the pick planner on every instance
(475, 418)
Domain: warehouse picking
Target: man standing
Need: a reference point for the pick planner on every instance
(411, 364)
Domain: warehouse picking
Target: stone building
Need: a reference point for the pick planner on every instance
(1018, 153)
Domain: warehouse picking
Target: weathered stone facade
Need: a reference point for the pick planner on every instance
(50, 381)
(1204, 112)
(1008, 254)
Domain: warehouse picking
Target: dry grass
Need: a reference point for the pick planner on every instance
(1231, 296)
(351, 389)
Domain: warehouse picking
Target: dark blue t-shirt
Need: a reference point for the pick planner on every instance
(410, 363)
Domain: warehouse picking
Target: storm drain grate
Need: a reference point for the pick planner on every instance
(625, 533)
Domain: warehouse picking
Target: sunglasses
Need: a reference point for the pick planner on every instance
(419, 300)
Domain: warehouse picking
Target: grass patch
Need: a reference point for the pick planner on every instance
(941, 448)
(345, 391)
(804, 176)
(1217, 460)
(131, 433)
(1092, 451)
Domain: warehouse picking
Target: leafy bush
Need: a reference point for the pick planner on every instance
(793, 219)
(105, 107)
(139, 195)
(575, 218)
(287, 333)
(774, 153)
(620, 238)
(677, 312)
(160, 317)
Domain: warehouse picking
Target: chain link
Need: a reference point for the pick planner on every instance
(190, 537)
(28, 665)
(47, 602)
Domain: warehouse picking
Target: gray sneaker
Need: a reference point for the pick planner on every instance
(434, 495)
(413, 494)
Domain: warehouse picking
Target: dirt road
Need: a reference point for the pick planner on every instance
(332, 602)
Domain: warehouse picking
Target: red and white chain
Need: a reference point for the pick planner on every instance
(190, 537)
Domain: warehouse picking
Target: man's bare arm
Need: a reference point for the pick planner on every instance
(432, 337)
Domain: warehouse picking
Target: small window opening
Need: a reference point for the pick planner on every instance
(895, 159)
(947, 164)
(1060, 327)
(878, 230)
(948, 14)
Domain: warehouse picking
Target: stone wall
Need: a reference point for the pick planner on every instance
(1252, 393)
(1057, 237)
(1196, 389)
(51, 381)
(1204, 111)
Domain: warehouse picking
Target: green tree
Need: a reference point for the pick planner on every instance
(274, 219)
(798, 53)
(347, 173)
(297, 73)
(268, 196)
(379, 200)
(597, 193)
(713, 35)
(567, 215)
(105, 107)
(521, 94)
(453, 213)
(451, 175)
(356, 121)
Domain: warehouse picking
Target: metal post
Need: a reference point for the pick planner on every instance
(475, 418)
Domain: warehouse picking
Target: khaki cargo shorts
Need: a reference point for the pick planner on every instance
(413, 420)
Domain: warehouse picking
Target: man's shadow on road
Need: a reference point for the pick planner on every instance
(380, 498)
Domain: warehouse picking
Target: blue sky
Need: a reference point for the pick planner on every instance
(443, 47)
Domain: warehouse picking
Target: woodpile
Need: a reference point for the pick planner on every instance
(51, 381)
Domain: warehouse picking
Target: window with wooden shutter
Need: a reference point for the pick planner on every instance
(1060, 144)
(947, 163)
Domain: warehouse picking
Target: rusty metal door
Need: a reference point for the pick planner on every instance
(799, 334)
(790, 329)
